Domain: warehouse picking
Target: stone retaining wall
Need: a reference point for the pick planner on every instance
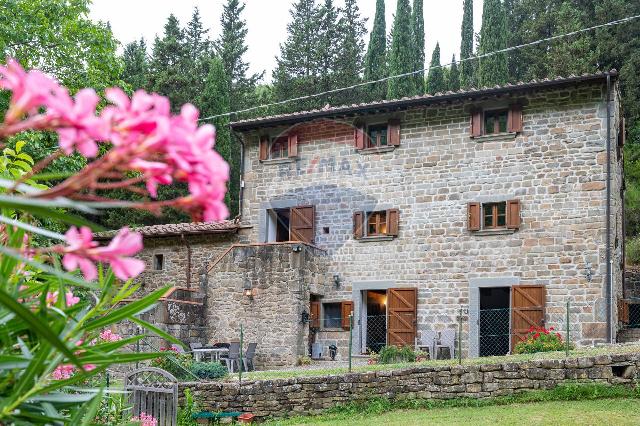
(312, 395)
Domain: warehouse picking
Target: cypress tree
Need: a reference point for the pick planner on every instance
(493, 69)
(466, 45)
(231, 48)
(349, 56)
(453, 79)
(136, 64)
(435, 79)
(327, 47)
(375, 61)
(402, 53)
(418, 34)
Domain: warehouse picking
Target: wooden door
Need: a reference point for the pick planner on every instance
(527, 303)
(401, 316)
(301, 224)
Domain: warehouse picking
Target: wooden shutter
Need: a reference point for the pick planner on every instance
(359, 135)
(513, 214)
(347, 309)
(401, 308)
(514, 118)
(264, 148)
(623, 311)
(621, 132)
(302, 224)
(358, 222)
(314, 314)
(476, 123)
(527, 302)
(393, 222)
(293, 145)
(393, 132)
(473, 216)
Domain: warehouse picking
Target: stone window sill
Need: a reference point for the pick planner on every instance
(486, 232)
(279, 160)
(497, 137)
(333, 329)
(377, 150)
(376, 238)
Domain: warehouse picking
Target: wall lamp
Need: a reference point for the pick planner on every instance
(337, 280)
(248, 290)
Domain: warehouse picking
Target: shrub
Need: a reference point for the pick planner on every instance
(540, 339)
(185, 414)
(394, 354)
(632, 251)
(304, 360)
(209, 370)
(178, 364)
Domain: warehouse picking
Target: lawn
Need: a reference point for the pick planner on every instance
(591, 412)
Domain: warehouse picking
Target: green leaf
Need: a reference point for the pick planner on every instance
(37, 326)
(63, 397)
(91, 410)
(9, 362)
(20, 145)
(120, 358)
(127, 310)
(31, 228)
(157, 331)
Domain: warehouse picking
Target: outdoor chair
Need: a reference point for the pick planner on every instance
(427, 341)
(233, 359)
(247, 359)
(447, 340)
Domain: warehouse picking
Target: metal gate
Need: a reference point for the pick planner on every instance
(155, 392)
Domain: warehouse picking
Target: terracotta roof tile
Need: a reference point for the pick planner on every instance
(225, 226)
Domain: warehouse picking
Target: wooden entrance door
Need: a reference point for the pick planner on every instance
(401, 311)
(527, 303)
(302, 224)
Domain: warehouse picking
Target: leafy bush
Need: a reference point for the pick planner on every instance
(185, 413)
(178, 364)
(540, 339)
(209, 370)
(304, 360)
(393, 354)
(632, 251)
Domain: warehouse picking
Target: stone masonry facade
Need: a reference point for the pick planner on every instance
(312, 395)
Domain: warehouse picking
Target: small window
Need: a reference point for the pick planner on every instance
(279, 148)
(158, 262)
(377, 223)
(494, 215)
(377, 136)
(495, 121)
(332, 315)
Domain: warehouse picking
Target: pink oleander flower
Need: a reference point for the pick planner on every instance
(71, 299)
(82, 252)
(52, 298)
(63, 372)
(109, 336)
(145, 419)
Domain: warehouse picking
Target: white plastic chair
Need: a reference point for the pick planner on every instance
(447, 340)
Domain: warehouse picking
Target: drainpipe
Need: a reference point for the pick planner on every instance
(241, 192)
(186, 243)
(609, 283)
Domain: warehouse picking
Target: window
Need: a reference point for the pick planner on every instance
(381, 223)
(290, 224)
(377, 223)
(332, 315)
(377, 136)
(495, 121)
(158, 262)
(279, 148)
(336, 314)
(494, 215)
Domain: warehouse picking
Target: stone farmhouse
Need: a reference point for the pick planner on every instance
(417, 210)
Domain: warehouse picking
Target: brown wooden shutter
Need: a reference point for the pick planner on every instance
(314, 314)
(623, 311)
(621, 132)
(528, 303)
(401, 326)
(264, 148)
(393, 132)
(476, 123)
(514, 118)
(473, 216)
(347, 309)
(393, 222)
(513, 214)
(358, 222)
(293, 145)
(302, 224)
(359, 135)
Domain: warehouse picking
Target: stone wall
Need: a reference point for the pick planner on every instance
(312, 395)
(283, 276)
(632, 282)
(556, 167)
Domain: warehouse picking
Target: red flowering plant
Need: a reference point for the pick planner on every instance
(59, 300)
(540, 339)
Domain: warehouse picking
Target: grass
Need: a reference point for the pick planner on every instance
(283, 374)
(576, 403)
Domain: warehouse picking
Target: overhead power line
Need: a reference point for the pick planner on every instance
(473, 58)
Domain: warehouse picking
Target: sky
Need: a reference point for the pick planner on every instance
(267, 23)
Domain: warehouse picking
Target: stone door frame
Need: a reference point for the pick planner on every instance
(359, 308)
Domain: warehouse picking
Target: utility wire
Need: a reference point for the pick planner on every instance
(473, 58)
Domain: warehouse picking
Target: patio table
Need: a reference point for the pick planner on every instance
(214, 353)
